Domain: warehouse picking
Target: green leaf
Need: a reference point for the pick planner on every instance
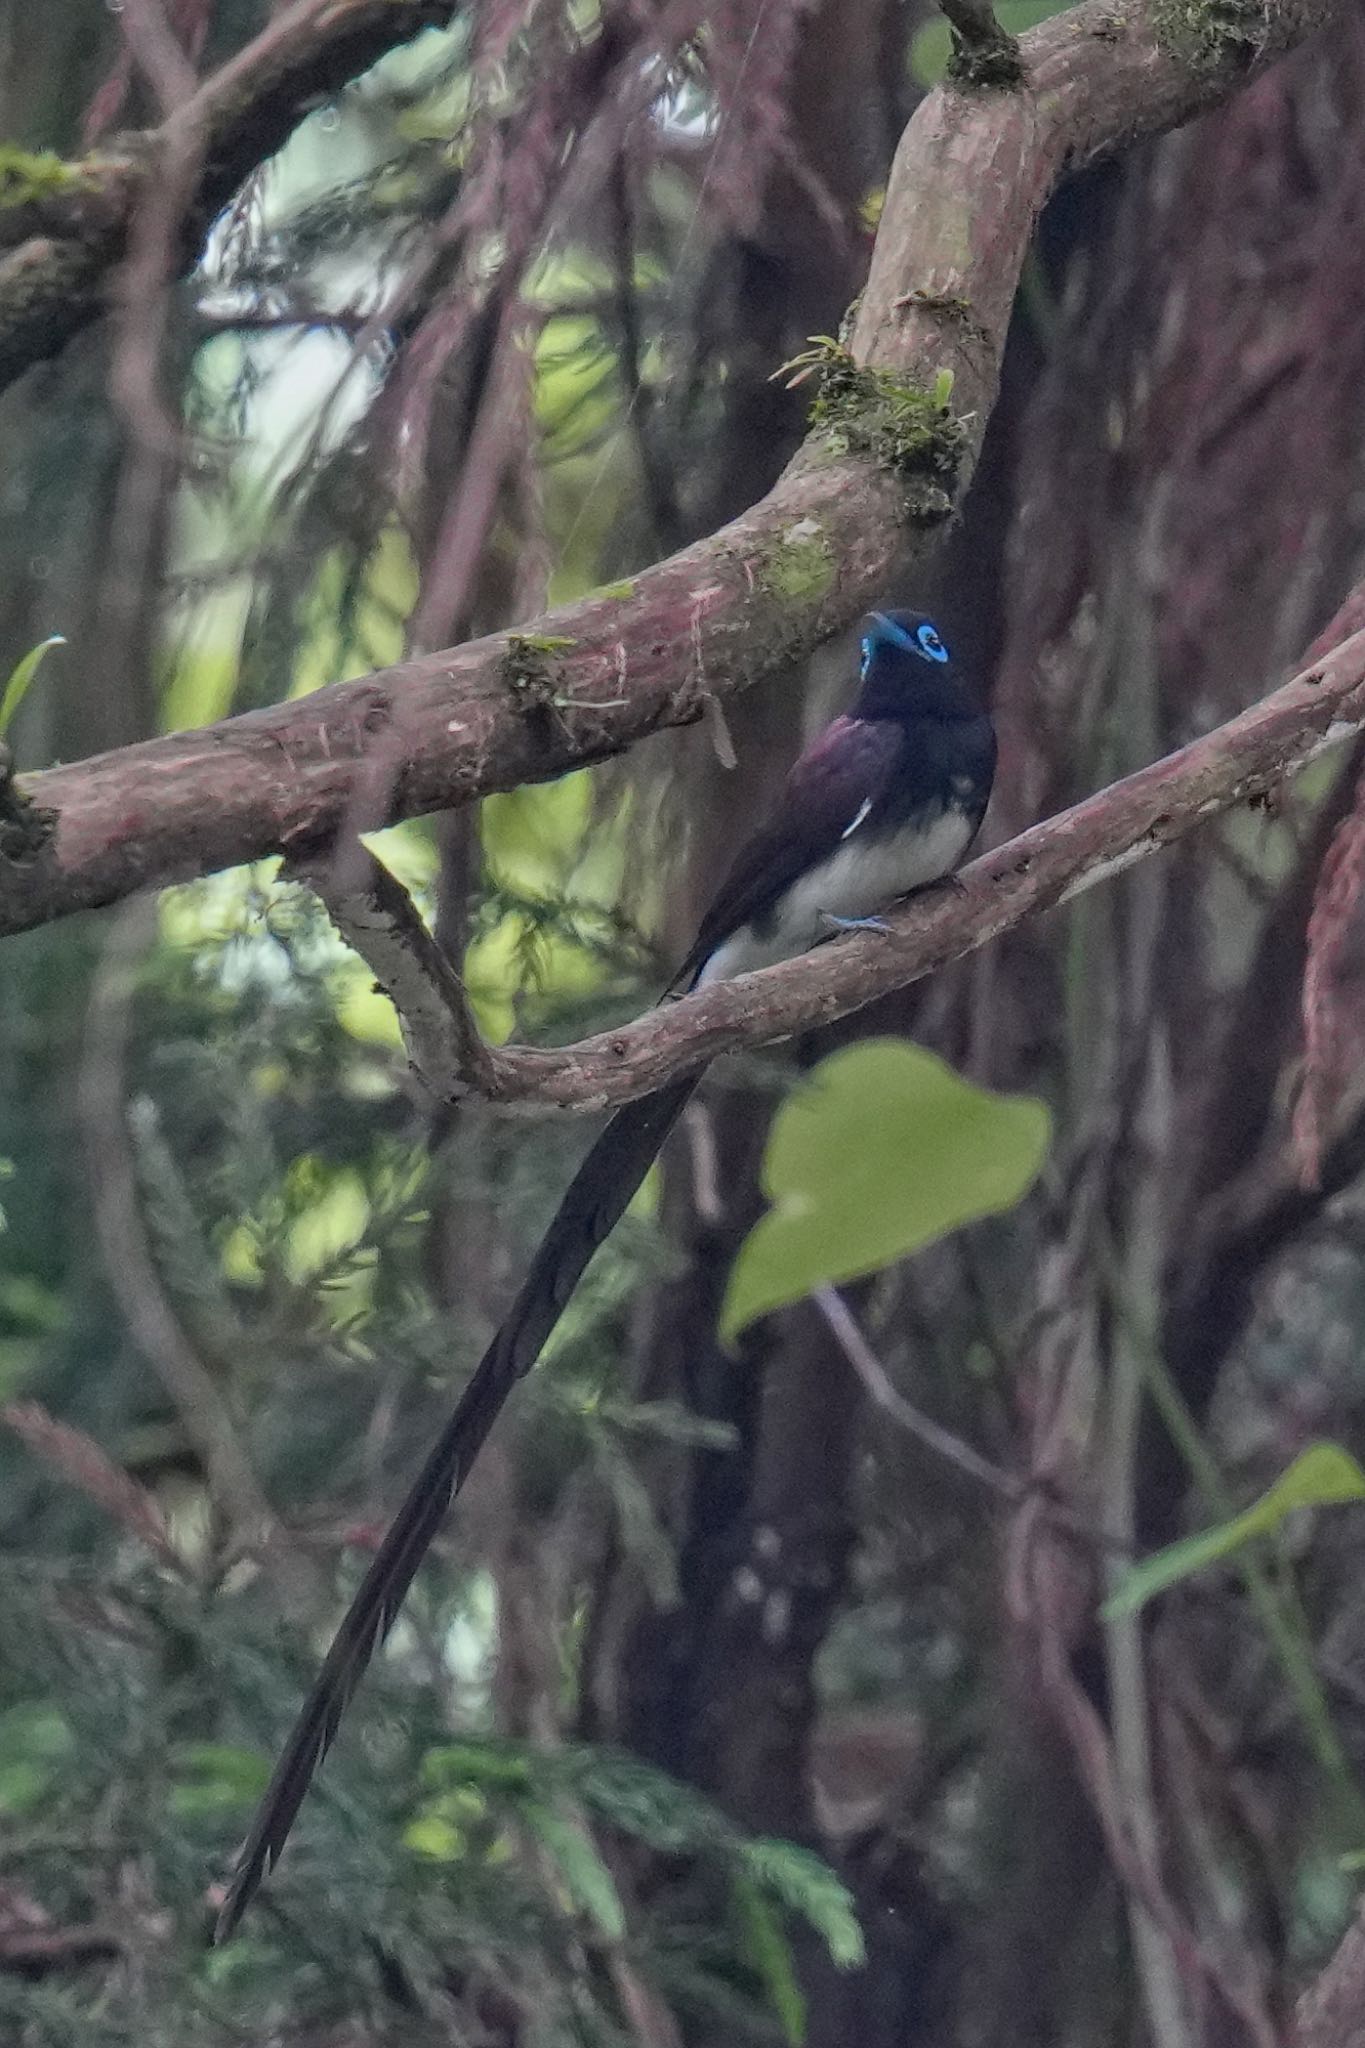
(444, 1826)
(36, 1743)
(28, 174)
(22, 674)
(215, 1777)
(670, 1422)
(642, 1801)
(586, 1877)
(768, 1954)
(882, 1150)
(805, 1884)
(643, 1535)
(1322, 1476)
(498, 1765)
(439, 1840)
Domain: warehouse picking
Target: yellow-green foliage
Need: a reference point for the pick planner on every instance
(581, 403)
(540, 842)
(200, 679)
(28, 174)
(200, 671)
(375, 633)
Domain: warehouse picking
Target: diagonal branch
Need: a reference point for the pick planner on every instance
(375, 915)
(900, 422)
(1045, 866)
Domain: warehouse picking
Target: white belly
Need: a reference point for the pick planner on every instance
(855, 881)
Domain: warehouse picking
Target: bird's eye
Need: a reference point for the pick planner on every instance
(929, 644)
(866, 662)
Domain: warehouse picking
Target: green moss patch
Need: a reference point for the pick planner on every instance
(908, 428)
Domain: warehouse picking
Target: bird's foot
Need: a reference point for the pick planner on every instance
(853, 924)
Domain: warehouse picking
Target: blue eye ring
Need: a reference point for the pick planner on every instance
(865, 648)
(923, 640)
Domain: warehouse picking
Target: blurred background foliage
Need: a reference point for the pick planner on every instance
(731, 1708)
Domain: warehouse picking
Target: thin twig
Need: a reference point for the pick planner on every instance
(1007, 1486)
(288, 38)
(1098, 1771)
(375, 914)
(129, 1265)
(156, 51)
(877, 1385)
(1165, 1995)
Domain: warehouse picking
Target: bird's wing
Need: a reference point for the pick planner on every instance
(829, 791)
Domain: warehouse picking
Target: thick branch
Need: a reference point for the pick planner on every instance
(1042, 867)
(62, 245)
(971, 174)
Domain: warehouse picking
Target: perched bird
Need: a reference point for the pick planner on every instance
(887, 799)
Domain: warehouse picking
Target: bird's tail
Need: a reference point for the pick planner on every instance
(596, 1199)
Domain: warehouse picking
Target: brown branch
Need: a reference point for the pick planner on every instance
(376, 916)
(970, 177)
(155, 49)
(1045, 866)
(63, 245)
(984, 53)
(1331, 2012)
(36, 1951)
(1012, 1487)
(877, 1385)
(75, 1457)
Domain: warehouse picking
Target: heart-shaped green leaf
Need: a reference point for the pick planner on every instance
(878, 1152)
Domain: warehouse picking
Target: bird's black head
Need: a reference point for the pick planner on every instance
(908, 670)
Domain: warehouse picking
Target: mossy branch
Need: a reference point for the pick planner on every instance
(900, 405)
(985, 55)
(907, 428)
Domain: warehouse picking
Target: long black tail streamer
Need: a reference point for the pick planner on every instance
(595, 1202)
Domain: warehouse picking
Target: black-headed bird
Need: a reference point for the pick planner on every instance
(885, 801)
